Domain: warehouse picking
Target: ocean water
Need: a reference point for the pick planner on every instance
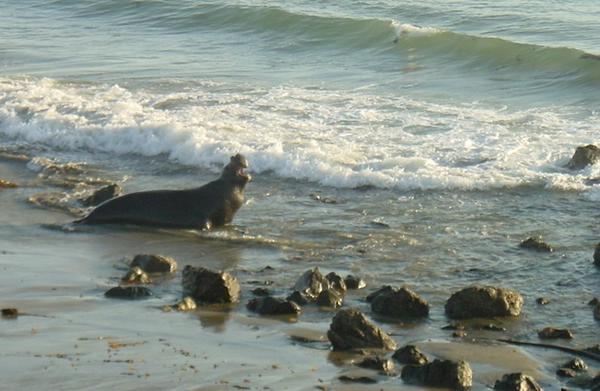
(413, 142)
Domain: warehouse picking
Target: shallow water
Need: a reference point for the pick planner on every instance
(412, 144)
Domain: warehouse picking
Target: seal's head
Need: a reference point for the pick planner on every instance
(236, 170)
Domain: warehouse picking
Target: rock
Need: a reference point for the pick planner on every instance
(330, 298)
(553, 333)
(10, 312)
(566, 372)
(136, 276)
(517, 382)
(576, 364)
(186, 304)
(154, 263)
(336, 282)
(597, 255)
(4, 184)
(273, 306)
(542, 301)
(353, 282)
(207, 286)
(597, 312)
(595, 383)
(350, 329)
(536, 244)
(103, 194)
(593, 349)
(384, 289)
(459, 334)
(483, 302)
(377, 363)
(400, 303)
(128, 292)
(311, 284)
(410, 354)
(594, 301)
(357, 379)
(446, 373)
(298, 298)
(261, 292)
(584, 156)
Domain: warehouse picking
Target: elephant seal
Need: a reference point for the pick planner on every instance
(205, 207)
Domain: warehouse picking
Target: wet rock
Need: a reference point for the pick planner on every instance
(186, 304)
(136, 276)
(584, 156)
(357, 379)
(353, 282)
(207, 286)
(325, 200)
(411, 355)
(273, 306)
(400, 303)
(336, 282)
(594, 301)
(350, 329)
(330, 298)
(378, 363)
(454, 375)
(566, 372)
(483, 302)
(576, 364)
(311, 284)
(553, 333)
(517, 382)
(542, 301)
(593, 349)
(536, 244)
(103, 194)
(261, 292)
(10, 312)
(595, 383)
(384, 289)
(597, 312)
(597, 255)
(154, 263)
(298, 298)
(128, 292)
(4, 184)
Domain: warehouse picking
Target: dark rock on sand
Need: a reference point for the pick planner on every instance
(597, 255)
(154, 263)
(542, 300)
(384, 289)
(483, 302)
(273, 306)
(584, 156)
(336, 282)
(353, 282)
(207, 286)
(350, 329)
(517, 382)
(553, 333)
(536, 244)
(378, 363)
(10, 312)
(136, 276)
(311, 284)
(400, 303)
(330, 298)
(128, 292)
(103, 194)
(454, 375)
(298, 298)
(411, 355)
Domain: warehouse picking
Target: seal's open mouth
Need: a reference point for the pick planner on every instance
(240, 164)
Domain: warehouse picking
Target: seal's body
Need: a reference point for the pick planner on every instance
(211, 205)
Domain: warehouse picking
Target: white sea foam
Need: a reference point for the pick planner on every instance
(407, 28)
(342, 139)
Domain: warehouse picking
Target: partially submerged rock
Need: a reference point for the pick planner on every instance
(353, 282)
(446, 373)
(350, 329)
(128, 292)
(336, 282)
(298, 298)
(152, 263)
(186, 304)
(553, 333)
(584, 156)
(483, 302)
(273, 306)
(330, 298)
(517, 382)
(400, 303)
(311, 284)
(103, 194)
(411, 355)
(10, 312)
(4, 184)
(536, 244)
(136, 275)
(260, 291)
(378, 363)
(597, 255)
(566, 372)
(597, 312)
(383, 290)
(207, 286)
